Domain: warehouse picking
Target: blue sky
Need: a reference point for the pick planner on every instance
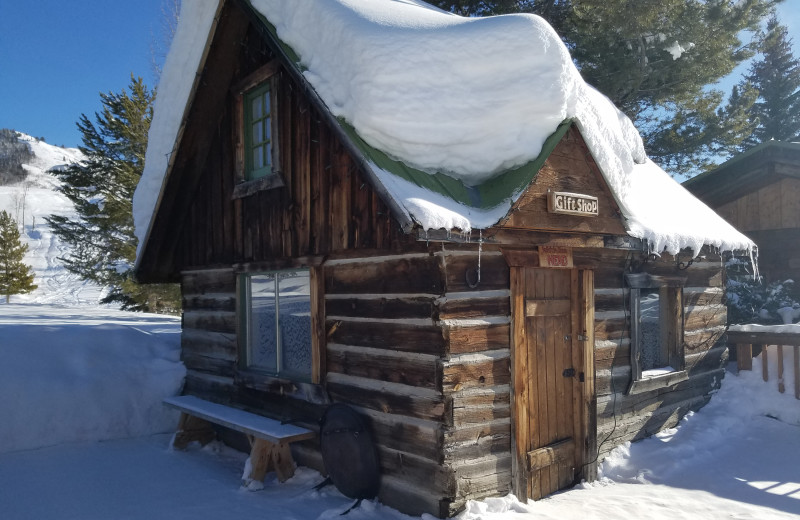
(56, 56)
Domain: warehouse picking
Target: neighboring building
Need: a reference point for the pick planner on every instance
(758, 192)
(478, 317)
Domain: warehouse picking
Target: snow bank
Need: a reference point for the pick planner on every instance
(743, 398)
(469, 97)
(85, 374)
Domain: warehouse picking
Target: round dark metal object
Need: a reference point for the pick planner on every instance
(349, 453)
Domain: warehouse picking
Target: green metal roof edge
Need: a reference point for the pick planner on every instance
(486, 195)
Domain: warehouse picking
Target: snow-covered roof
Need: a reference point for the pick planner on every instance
(465, 100)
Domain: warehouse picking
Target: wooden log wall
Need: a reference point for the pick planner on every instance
(426, 357)
(477, 371)
(424, 353)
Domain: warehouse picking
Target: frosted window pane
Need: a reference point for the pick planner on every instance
(295, 322)
(258, 134)
(257, 106)
(268, 154)
(258, 157)
(267, 109)
(263, 339)
(650, 329)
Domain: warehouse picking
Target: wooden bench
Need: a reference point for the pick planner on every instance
(269, 439)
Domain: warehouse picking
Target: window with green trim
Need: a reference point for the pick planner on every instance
(258, 132)
(276, 322)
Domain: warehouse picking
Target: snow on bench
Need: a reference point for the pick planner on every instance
(269, 438)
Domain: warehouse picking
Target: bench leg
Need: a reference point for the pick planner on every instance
(266, 456)
(191, 428)
(282, 459)
(260, 461)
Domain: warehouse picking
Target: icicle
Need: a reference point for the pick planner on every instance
(477, 282)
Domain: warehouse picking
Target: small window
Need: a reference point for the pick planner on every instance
(656, 305)
(258, 132)
(277, 323)
(257, 165)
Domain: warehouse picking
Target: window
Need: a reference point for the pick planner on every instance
(656, 304)
(276, 324)
(258, 132)
(255, 126)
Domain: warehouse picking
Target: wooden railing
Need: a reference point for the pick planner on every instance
(770, 337)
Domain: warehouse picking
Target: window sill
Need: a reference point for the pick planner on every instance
(281, 386)
(655, 382)
(247, 188)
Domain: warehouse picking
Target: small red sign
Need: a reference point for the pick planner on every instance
(559, 257)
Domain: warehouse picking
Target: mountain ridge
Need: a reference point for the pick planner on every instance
(28, 202)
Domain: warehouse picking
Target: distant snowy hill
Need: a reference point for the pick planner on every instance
(31, 201)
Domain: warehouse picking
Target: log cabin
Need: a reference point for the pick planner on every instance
(758, 192)
(501, 319)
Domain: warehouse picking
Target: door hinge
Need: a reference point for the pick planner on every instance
(581, 337)
(568, 372)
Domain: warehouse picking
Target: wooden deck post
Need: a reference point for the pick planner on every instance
(764, 362)
(781, 386)
(797, 372)
(744, 356)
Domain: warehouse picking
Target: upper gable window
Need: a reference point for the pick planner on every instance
(256, 129)
(258, 132)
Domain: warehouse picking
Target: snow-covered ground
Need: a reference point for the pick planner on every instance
(83, 434)
(84, 437)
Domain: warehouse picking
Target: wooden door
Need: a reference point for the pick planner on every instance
(553, 391)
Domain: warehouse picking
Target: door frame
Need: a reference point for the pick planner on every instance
(585, 400)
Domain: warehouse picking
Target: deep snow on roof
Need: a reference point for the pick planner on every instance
(470, 98)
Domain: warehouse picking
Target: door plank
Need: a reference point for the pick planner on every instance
(521, 395)
(588, 403)
(552, 454)
(559, 307)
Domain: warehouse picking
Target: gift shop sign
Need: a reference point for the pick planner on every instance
(571, 203)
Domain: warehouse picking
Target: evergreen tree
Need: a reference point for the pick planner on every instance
(101, 187)
(15, 276)
(776, 76)
(655, 59)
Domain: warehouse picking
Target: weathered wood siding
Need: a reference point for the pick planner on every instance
(476, 372)
(325, 205)
(383, 357)
(775, 206)
(408, 348)
(568, 168)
